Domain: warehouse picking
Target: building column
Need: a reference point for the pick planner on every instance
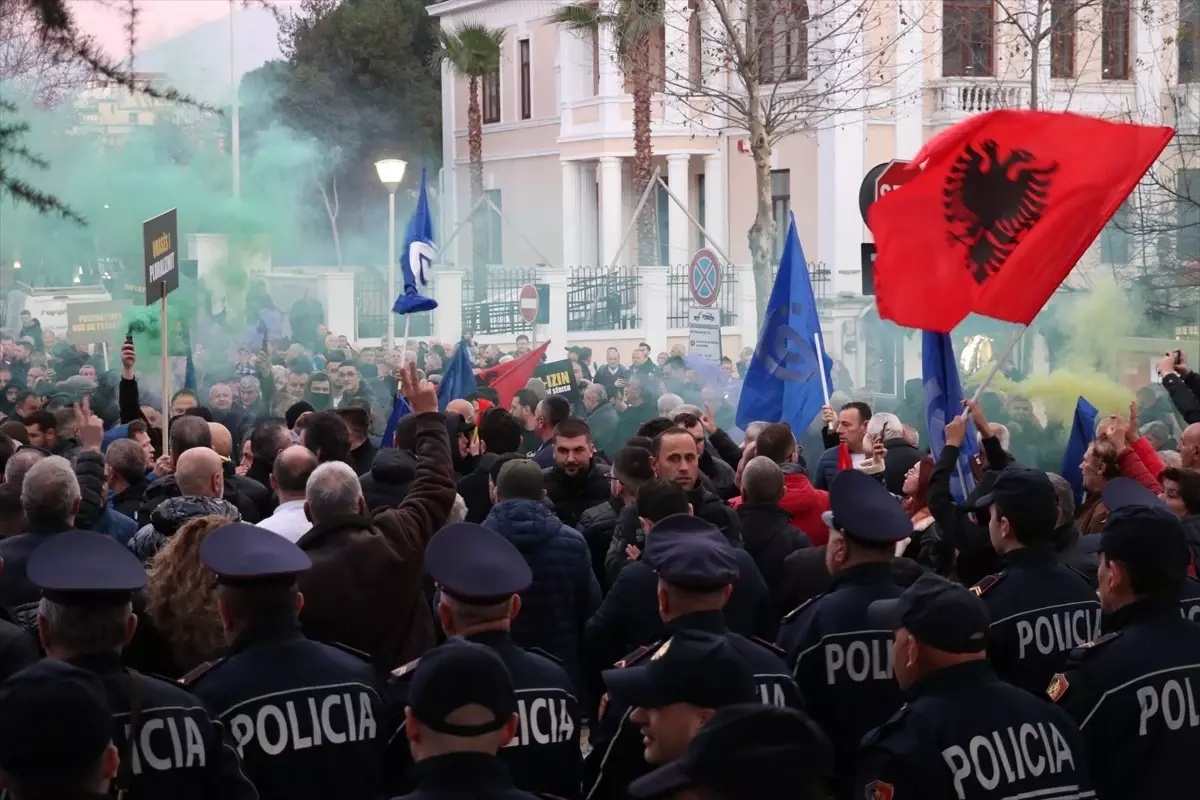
(654, 304)
(910, 81)
(565, 66)
(715, 211)
(449, 200)
(556, 278)
(1150, 84)
(612, 213)
(678, 223)
(571, 255)
(589, 216)
(447, 289)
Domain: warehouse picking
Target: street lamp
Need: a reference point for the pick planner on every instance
(391, 173)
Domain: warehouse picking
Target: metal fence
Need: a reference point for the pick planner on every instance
(818, 274)
(681, 302)
(501, 312)
(374, 305)
(600, 299)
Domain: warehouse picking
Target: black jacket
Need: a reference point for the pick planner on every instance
(573, 495)
(805, 575)
(17, 648)
(166, 488)
(605, 427)
(475, 491)
(127, 501)
(900, 458)
(387, 483)
(256, 495)
(597, 525)
(18, 596)
(1185, 394)
(362, 458)
(770, 538)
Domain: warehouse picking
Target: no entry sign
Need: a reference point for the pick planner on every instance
(879, 180)
(704, 277)
(529, 303)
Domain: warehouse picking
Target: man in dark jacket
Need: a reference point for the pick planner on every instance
(391, 475)
(613, 375)
(852, 422)
(125, 461)
(499, 434)
(552, 411)
(602, 419)
(267, 441)
(564, 593)
(365, 587)
(631, 468)
(362, 449)
(766, 528)
(577, 481)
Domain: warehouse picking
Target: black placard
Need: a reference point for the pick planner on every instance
(160, 245)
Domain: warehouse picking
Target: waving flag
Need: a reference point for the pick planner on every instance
(1001, 211)
(1083, 431)
(400, 409)
(458, 379)
(511, 376)
(943, 400)
(783, 383)
(416, 259)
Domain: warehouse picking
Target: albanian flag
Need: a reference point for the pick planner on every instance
(1000, 209)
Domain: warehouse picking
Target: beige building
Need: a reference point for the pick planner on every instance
(558, 146)
(113, 112)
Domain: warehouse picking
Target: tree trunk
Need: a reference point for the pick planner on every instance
(332, 209)
(761, 235)
(479, 220)
(643, 156)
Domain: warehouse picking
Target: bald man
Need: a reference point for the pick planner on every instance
(289, 477)
(222, 439)
(199, 473)
(463, 408)
(1189, 446)
(249, 495)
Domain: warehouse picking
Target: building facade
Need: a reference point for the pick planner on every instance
(558, 134)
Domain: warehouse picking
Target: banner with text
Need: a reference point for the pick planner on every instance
(559, 378)
(89, 323)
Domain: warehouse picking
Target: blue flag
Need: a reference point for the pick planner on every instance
(400, 409)
(1083, 431)
(943, 400)
(458, 379)
(416, 259)
(783, 383)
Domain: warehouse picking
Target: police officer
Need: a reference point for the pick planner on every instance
(462, 709)
(481, 575)
(169, 745)
(1135, 691)
(1189, 599)
(841, 662)
(964, 733)
(667, 693)
(302, 715)
(1040, 609)
(56, 734)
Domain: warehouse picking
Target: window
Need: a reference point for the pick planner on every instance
(1189, 41)
(1114, 238)
(1062, 38)
(700, 209)
(1187, 222)
(495, 227)
(133, 118)
(491, 97)
(1114, 40)
(781, 206)
(526, 86)
(967, 37)
(783, 40)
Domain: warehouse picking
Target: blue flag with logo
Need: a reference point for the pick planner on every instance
(783, 383)
(400, 409)
(458, 379)
(416, 258)
(1083, 431)
(943, 400)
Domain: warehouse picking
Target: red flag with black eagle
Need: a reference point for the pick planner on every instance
(1001, 208)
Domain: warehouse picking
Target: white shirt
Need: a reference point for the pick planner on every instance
(288, 521)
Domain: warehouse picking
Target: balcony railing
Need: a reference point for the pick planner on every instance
(955, 99)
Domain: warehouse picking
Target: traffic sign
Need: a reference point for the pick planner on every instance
(704, 277)
(879, 180)
(529, 303)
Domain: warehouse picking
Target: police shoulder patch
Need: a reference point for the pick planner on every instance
(795, 612)
(400, 672)
(987, 583)
(1085, 651)
(191, 678)
(638, 655)
(879, 790)
(1058, 687)
(345, 648)
(544, 654)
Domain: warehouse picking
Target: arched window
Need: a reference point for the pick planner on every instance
(783, 40)
(1062, 38)
(1114, 40)
(1189, 41)
(968, 37)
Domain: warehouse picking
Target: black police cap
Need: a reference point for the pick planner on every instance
(476, 564)
(862, 508)
(749, 751)
(1026, 494)
(1141, 531)
(55, 722)
(938, 613)
(695, 560)
(242, 553)
(457, 674)
(82, 568)
(695, 667)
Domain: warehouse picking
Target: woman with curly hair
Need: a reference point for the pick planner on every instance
(181, 600)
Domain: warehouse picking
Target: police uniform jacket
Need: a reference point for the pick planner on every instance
(841, 664)
(967, 735)
(628, 617)
(1189, 600)
(543, 757)
(178, 751)
(302, 715)
(464, 776)
(1040, 611)
(1135, 693)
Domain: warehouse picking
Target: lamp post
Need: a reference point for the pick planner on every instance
(391, 173)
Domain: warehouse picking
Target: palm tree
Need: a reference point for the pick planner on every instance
(635, 25)
(473, 51)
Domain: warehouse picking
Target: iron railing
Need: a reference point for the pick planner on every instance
(501, 312)
(600, 299)
(681, 302)
(374, 306)
(818, 275)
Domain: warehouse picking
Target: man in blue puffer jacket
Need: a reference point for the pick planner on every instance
(564, 593)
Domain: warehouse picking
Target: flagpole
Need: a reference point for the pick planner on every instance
(821, 364)
(404, 345)
(995, 368)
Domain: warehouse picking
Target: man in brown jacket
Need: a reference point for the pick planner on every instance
(365, 586)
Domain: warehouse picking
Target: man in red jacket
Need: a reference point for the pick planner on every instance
(800, 499)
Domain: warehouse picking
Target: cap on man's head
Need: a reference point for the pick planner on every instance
(632, 465)
(55, 721)
(941, 614)
(863, 509)
(82, 568)
(1027, 495)
(458, 674)
(476, 565)
(699, 561)
(240, 553)
(694, 667)
(520, 478)
(749, 751)
(1140, 530)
